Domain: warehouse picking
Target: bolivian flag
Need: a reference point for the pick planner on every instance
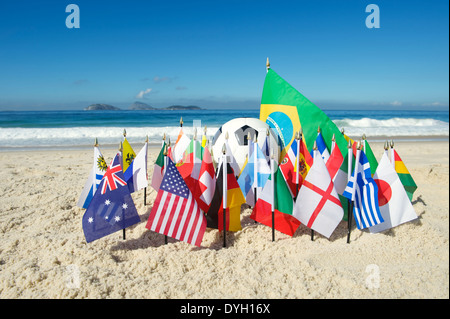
(405, 176)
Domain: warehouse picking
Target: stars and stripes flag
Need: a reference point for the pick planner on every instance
(363, 190)
(175, 212)
(112, 208)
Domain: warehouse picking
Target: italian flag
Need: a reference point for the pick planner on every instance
(158, 169)
(283, 204)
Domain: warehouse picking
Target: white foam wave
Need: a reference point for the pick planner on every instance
(74, 136)
(394, 127)
(82, 136)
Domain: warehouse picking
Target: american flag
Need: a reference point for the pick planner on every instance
(175, 212)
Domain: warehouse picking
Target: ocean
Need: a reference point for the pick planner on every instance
(24, 130)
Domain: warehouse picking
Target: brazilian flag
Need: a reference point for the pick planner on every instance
(286, 110)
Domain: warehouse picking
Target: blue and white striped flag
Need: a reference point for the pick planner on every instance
(364, 192)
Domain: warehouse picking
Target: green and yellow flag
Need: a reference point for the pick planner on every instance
(286, 110)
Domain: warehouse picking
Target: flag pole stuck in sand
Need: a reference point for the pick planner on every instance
(352, 203)
(120, 151)
(224, 196)
(145, 188)
(164, 172)
(349, 176)
(272, 156)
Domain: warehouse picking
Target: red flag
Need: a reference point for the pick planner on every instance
(206, 184)
(334, 162)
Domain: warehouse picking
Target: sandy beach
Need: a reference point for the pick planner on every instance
(43, 252)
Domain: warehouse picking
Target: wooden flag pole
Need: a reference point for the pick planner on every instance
(224, 195)
(355, 173)
(273, 192)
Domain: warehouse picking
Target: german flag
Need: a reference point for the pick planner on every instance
(235, 199)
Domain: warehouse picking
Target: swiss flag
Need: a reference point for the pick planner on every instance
(206, 184)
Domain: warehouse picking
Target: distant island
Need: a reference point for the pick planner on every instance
(101, 107)
(139, 106)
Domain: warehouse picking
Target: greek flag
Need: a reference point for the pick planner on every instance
(364, 193)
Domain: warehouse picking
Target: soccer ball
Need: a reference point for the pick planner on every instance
(237, 130)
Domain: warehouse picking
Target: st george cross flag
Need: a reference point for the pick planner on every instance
(94, 179)
(318, 205)
(175, 213)
(364, 192)
(395, 206)
(136, 173)
(112, 207)
(158, 169)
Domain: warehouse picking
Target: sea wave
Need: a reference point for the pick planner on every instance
(82, 136)
(393, 127)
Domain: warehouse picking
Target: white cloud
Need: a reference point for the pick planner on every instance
(141, 94)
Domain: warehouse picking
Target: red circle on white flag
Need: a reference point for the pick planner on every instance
(384, 192)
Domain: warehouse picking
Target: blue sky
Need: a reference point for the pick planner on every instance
(213, 53)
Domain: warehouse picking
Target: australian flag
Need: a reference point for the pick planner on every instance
(112, 208)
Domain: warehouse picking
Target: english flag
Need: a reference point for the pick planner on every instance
(318, 205)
